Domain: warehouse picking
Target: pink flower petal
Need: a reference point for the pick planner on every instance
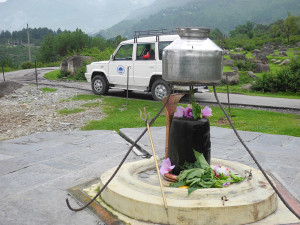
(188, 112)
(206, 112)
(179, 112)
(166, 166)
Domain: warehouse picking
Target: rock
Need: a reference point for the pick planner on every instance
(286, 61)
(282, 49)
(233, 77)
(282, 54)
(269, 45)
(226, 52)
(70, 64)
(266, 51)
(228, 62)
(234, 68)
(238, 49)
(246, 87)
(277, 62)
(237, 56)
(260, 67)
(297, 44)
(255, 52)
(261, 58)
(273, 60)
(251, 74)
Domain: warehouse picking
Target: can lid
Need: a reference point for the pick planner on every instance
(199, 32)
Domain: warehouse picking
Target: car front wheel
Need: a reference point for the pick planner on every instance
(99, 85)
(160, 89)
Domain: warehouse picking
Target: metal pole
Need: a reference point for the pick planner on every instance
(128, 67)
(3, 72)
(29, 54)
(36, 75)
(228, 96)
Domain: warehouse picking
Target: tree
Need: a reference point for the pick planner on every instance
(48, 51)
(290, 25)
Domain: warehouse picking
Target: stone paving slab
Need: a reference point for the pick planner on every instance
(278, 154)
(33, 188)
(36, 170)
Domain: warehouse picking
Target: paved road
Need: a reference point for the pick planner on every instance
(28, 76)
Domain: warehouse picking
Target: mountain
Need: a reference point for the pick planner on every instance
(222, 14)
(157, 6)
(90, 16)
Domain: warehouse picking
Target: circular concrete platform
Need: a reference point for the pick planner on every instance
(135, 192)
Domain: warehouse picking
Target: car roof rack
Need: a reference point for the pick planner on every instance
(147, 33)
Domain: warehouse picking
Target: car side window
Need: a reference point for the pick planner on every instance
(145, 51)
(124, 53)
(161, 46)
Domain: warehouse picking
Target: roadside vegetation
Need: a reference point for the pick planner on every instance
(281, 37)
(119, 115)
(70, 111)
(48, 89)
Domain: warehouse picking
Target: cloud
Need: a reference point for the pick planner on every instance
(2, 1)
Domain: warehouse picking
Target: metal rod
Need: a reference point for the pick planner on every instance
(157, 169)
(3, 72)
(128, 67)
(36, 75)
(228, 96)
(122, 162)
(254, 159)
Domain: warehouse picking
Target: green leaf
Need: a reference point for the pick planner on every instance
(236, 178)
(191, 189)
(196, 110)
(201, 160)
(177, 184)
(197, 172)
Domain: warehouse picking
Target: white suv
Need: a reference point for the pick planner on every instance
(137, 61)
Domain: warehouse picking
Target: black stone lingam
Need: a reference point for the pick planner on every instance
(187, 135)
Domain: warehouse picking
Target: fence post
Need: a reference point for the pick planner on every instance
(36, 80)
(128, 67)
(3, 72)
(228, 96)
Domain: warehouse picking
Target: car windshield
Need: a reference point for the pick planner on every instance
(124, 53)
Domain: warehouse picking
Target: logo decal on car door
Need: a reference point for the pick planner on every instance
(120, 69)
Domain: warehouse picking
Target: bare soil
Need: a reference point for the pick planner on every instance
(24, 110)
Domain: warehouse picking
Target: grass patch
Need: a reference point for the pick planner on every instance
(121, 116)
(82, 98)
(70, 111)
(48, 89)
(53, 75)
(86, 97)
(91, 104)
(227, 69)
(57, 75)
(236, 89)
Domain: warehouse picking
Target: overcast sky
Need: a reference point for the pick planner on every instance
(90, 15)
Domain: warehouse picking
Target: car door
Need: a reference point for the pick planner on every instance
(144, 64)
(119, 64)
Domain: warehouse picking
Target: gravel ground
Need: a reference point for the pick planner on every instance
(24, 110)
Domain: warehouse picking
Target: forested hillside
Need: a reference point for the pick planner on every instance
(222, 14)
(36, 36)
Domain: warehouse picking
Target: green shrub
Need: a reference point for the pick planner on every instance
(27, 65)
(246, 65)
(79, 75)
(286, 80)
(63, 74)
